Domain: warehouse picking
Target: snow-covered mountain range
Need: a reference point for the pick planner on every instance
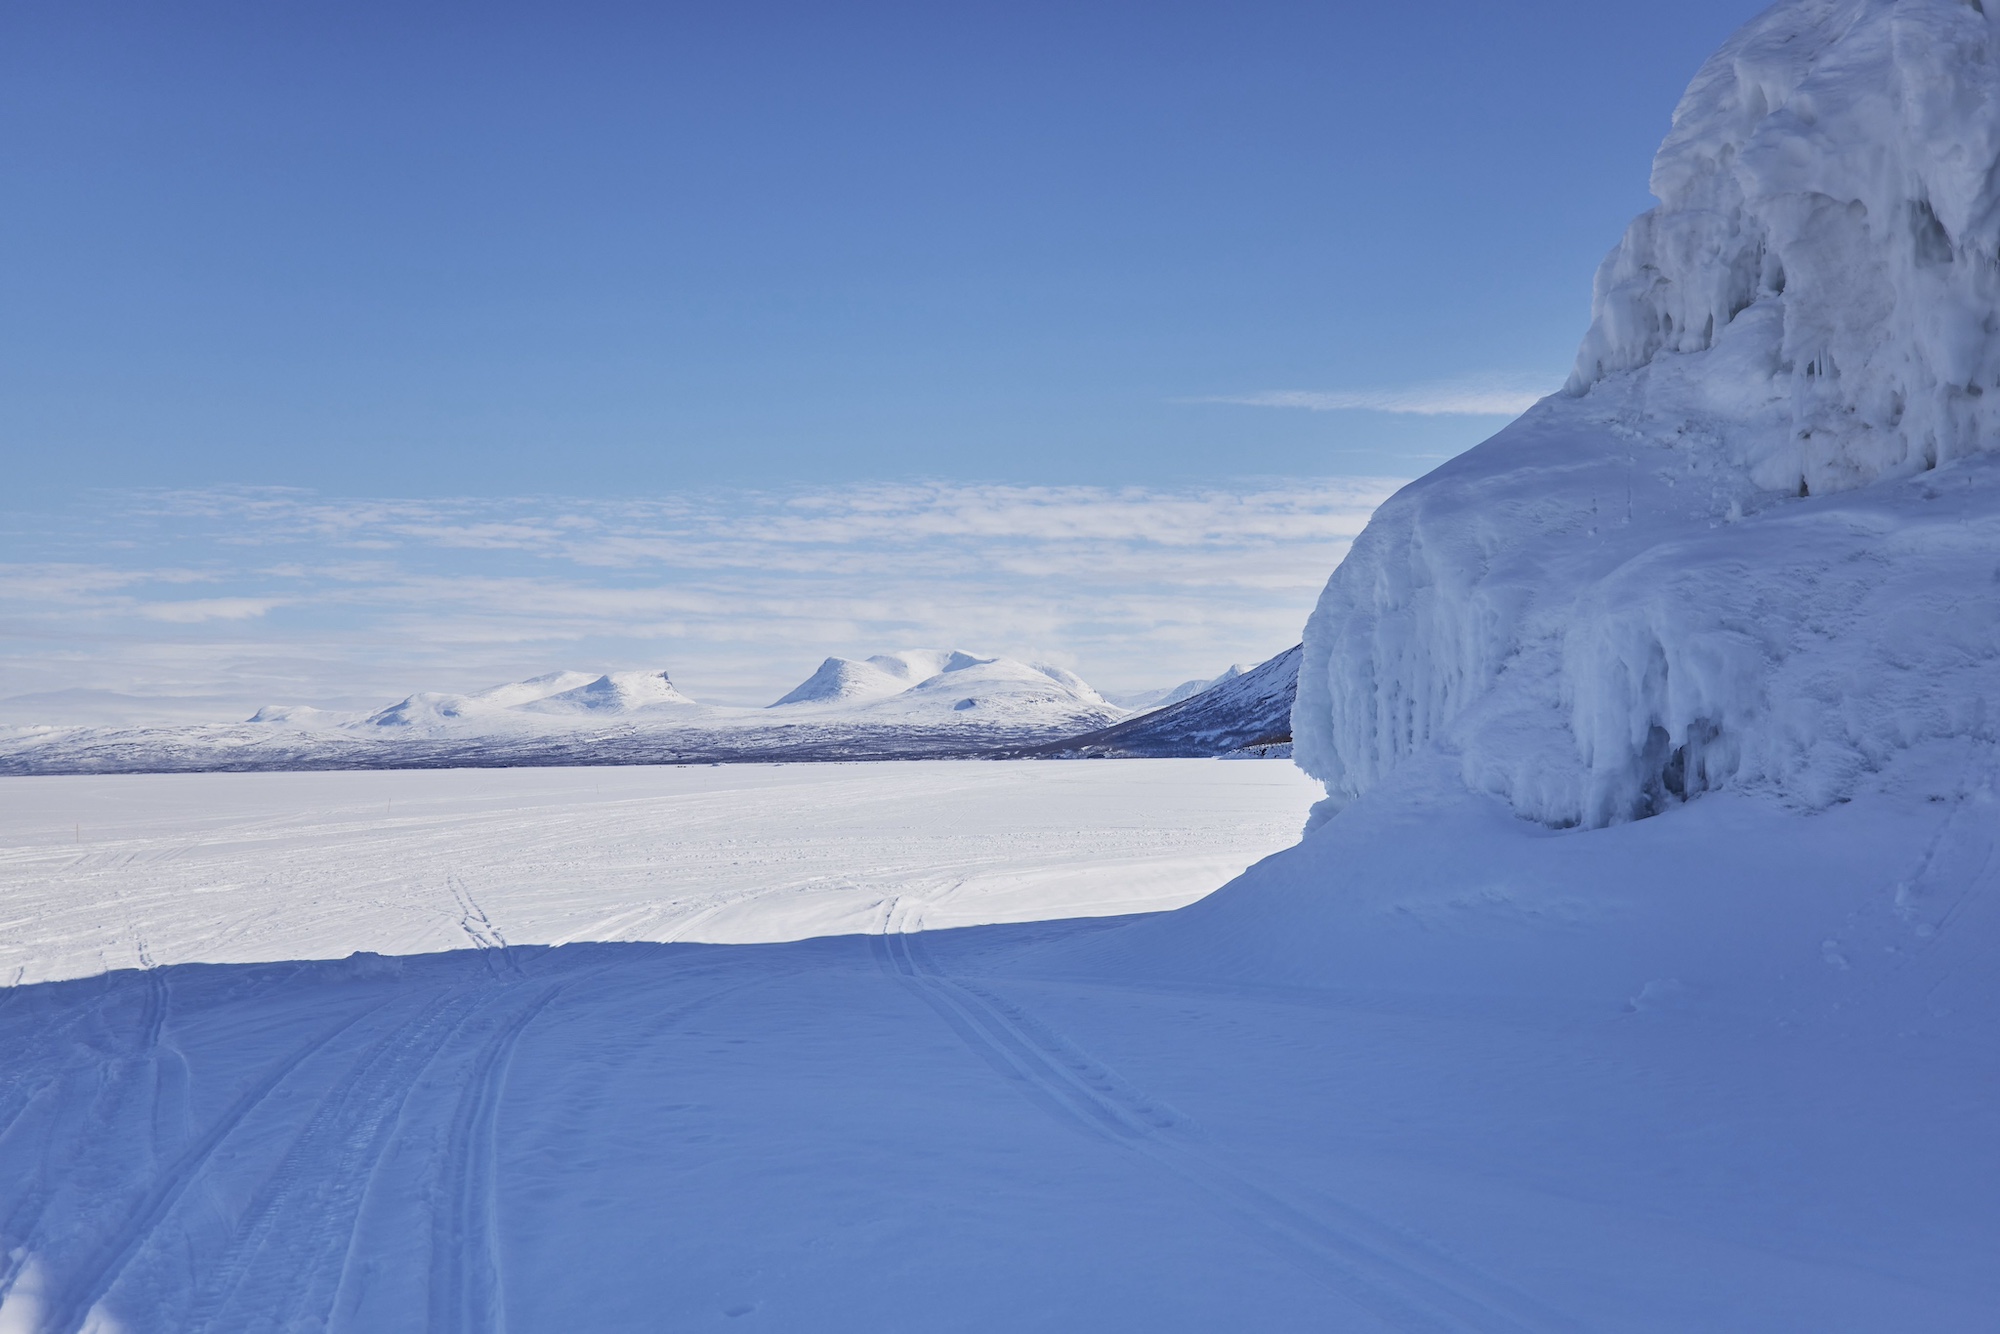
(915, 703)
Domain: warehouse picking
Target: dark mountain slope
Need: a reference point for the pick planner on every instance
(1254, 709)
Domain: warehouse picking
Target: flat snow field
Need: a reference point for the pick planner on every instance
(141, 870)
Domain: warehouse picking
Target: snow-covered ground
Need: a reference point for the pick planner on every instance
(1642, 972)
(130, 871)
(1436, 1069)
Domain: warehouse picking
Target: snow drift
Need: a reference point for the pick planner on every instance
(1754, 542)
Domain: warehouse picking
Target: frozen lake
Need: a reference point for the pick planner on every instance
(128, 871)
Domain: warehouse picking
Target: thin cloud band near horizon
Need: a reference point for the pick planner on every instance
(1485, 396)
(238, 598)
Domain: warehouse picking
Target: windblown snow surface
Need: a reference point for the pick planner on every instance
(1641, 971)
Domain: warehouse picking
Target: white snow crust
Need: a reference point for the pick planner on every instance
(1757, 541)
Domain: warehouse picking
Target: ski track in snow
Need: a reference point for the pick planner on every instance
(1404, 1285)
(287, 1257)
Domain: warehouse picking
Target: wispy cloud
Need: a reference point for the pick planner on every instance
(314, 599)
(1477, 396)
(207, 609)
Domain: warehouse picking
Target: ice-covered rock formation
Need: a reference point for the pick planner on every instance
(1757, 540)
(1829, 226)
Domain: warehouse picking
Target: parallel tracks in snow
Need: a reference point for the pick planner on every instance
(94, 1277)
(1401, 1281)
(285, 1258)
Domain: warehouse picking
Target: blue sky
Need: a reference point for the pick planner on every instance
(652, 252)
(592, 247)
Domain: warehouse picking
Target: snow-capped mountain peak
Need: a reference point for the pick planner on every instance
(924, 682)
(920, 702)
(843, 680)
(556, 693)
(616, 692)
(516, 693)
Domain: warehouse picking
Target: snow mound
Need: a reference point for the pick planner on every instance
(1829, 209)
(1757, 541)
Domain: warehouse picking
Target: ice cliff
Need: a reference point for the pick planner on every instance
(1756, 540)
